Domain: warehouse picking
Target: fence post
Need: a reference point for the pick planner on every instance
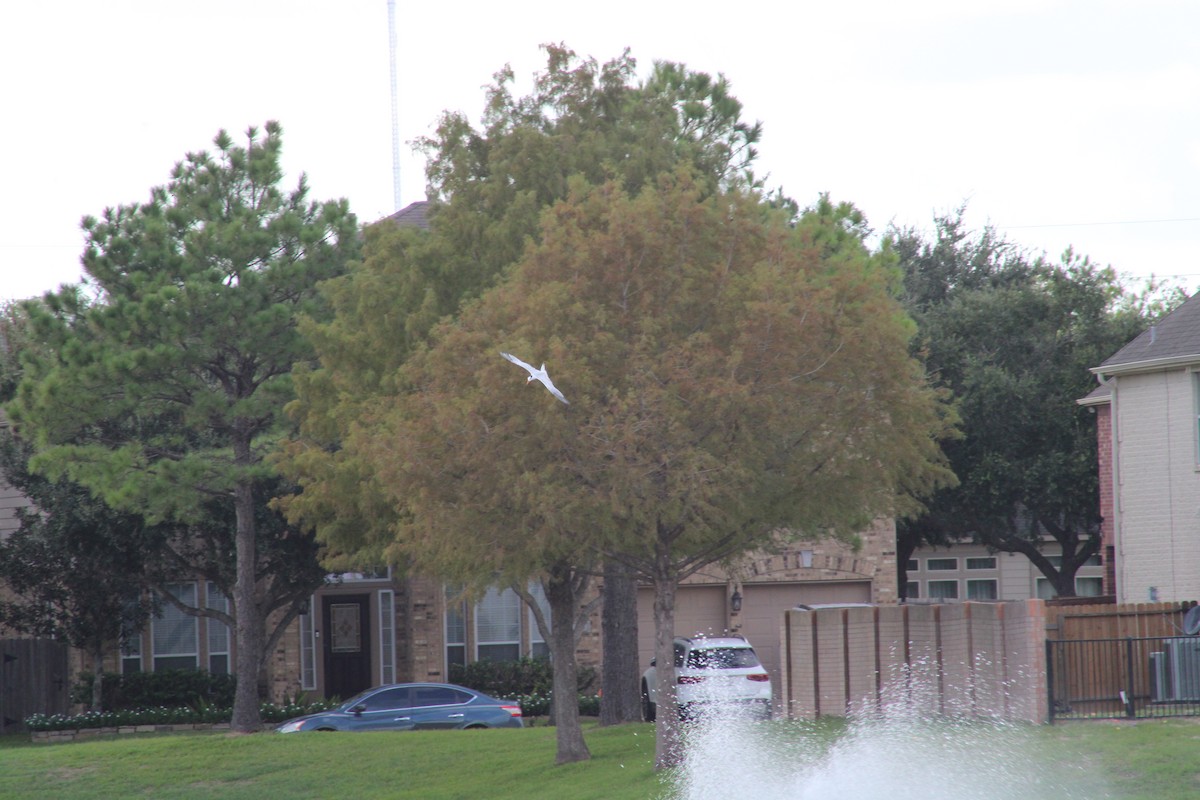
(1128, 693)
(1050, 677)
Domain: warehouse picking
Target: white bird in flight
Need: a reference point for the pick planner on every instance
(537, 374)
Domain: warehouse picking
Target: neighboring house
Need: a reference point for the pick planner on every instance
(1147, 414)
(968, 571)
(10, 501)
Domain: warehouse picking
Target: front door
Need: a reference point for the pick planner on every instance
(347, 645)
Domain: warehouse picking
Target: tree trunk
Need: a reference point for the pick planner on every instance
(667, 744)
(561, 596)
(620, 700)
(246, 717)
(98, 679)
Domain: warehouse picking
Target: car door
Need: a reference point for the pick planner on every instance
(441, 707)
(385, 710)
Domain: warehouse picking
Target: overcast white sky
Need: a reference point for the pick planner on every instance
(1062, 123)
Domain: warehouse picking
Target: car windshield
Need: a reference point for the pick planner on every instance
(722, 658)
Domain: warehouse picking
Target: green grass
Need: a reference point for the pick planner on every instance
(1152, 759)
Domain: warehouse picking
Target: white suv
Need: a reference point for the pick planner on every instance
(710, 671)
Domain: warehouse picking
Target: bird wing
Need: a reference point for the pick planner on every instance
(545, 379)
(519, 362)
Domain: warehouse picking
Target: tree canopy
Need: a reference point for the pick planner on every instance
(729, 375)
(1013, 337)
(163, 389)
(488, 186)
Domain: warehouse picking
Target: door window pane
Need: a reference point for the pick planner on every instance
(345, 621)
(456, 629)
(387, 636)
(308, 651)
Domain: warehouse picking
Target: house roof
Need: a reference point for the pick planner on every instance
(413, 215)
(1174, 341)
(1096, 397)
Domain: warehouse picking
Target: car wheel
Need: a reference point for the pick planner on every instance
(649, 710)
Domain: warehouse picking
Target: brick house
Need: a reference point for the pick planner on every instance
(368, 628)
(1147, 412)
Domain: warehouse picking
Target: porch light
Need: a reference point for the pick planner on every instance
(735, 602)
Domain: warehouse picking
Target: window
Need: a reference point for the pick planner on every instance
(498, 626)
(174, 634)
(456, 629)
(941, 564)
(1196, 416)
(981, 590)
(912, 590)
(375, 573)
(131, 645)
(537, 644)
(1089, 587)
(912, 565)
(388, 699)
(218, 632)
(722, 658)
(387, 636)
(981, 562)
(308, 651)
(438, 695)
(1044, 589)
(131, 652)
(942, 590)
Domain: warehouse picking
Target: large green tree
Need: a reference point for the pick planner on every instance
(489, 185)
(729, 376)
(163, 390)
(1013, 337)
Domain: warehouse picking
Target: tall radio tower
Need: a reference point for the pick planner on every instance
(395, 106)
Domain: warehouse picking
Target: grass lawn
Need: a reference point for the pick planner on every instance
(1152, 759)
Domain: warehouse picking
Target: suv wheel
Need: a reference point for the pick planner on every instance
(649, 710)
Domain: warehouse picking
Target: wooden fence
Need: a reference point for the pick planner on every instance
(33, 680)
(1076, 621)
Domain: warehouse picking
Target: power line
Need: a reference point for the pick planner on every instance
(1092, 224)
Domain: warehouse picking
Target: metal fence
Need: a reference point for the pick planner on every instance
(1130, 678)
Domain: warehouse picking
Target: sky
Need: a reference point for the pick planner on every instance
(1063, 124)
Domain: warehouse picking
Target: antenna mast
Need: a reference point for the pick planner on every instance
(395, 106)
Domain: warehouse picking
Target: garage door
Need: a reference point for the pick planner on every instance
(698, 609)
(762, 613)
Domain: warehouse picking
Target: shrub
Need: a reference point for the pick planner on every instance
(512, 679)
(178, 715)
(167, 688)
(527, 681)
